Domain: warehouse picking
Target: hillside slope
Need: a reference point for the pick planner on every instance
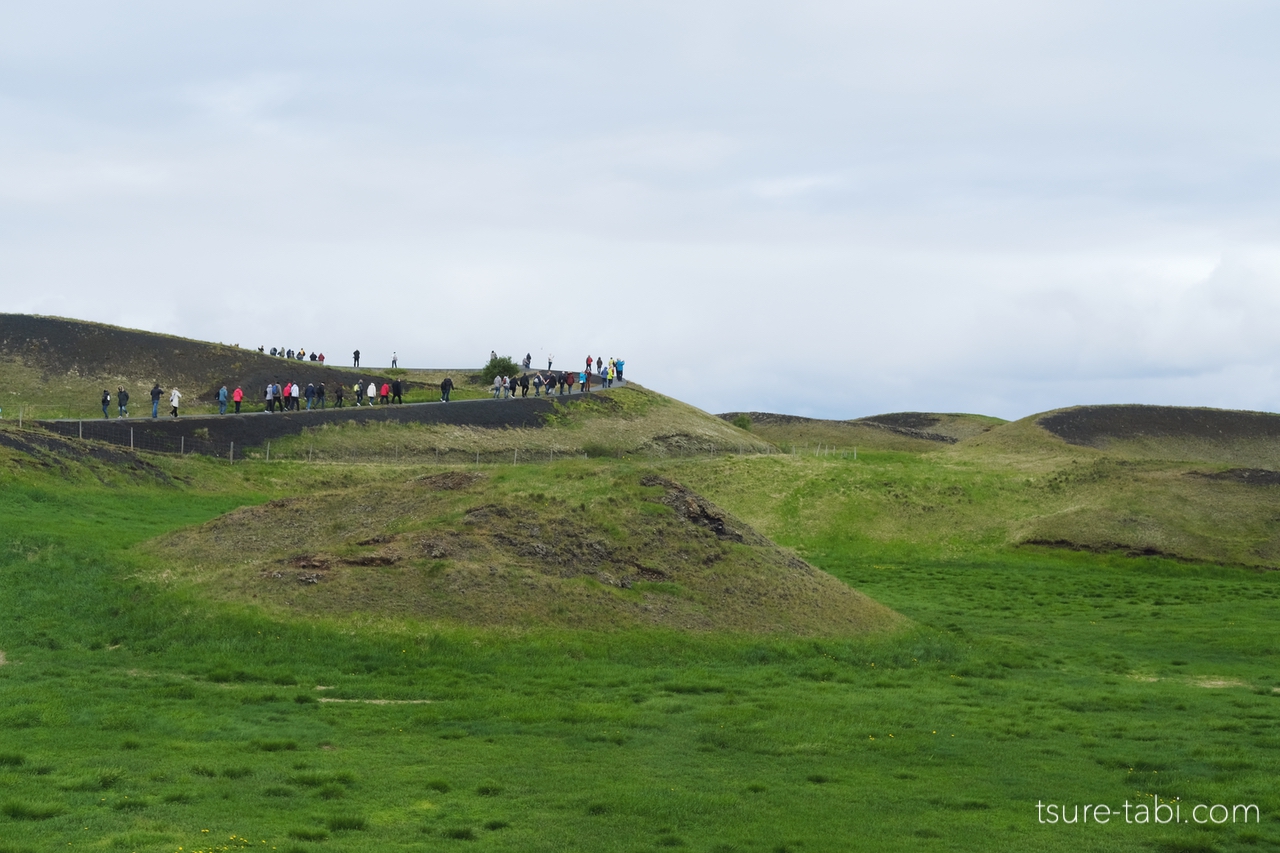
(56, 367)
(910, 431)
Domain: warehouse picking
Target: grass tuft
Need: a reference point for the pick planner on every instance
(341, 823)
(21, 810)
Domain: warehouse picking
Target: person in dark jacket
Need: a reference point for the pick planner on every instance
(355, 359)
(524, 385)
(310, 394)
(396, 388)
(445, 387)
(106, 402)
(320, 395)
(122, 401)
(338, 394)
(156, 394)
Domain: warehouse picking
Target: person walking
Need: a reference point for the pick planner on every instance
(599, 362)
(310, 394)
(445, 387)
(582, 381)
(122, 401)
(620, 363)
(537, 384)
(175, 397)
(337, 396)
(106, 402)
(355, 359)
(393, 358)
(396, 392)
(359, 389)
(155, 400)
(237, 397)
(320, 395)
(371, 392)
(222, 400)
(384, 394)
(497, 387)
(549, 357)
(524, 385)
(528, 360)
(269, 398)
(297, 398)
(588, 364)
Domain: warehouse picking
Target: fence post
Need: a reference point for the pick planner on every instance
(82, 430)
(182, 445)
(268, 451)
(232, 457)
(131, 438)
(515, 457)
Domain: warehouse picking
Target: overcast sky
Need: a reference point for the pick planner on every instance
(832, 209)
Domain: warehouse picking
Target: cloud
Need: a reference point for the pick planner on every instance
(828, 208)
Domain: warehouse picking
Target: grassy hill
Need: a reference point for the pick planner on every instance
(628, 421)
(577, 545)
(909, 431)
(57, 368)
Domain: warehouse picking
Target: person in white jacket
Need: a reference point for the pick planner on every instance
(296, 395)
(174, 399)
(371, 392)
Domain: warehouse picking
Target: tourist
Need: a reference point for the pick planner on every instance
(599, 362)
(445, 387)
(396, 389)
(355, 361)
(371, 392)
(338, 394)
(497, 387)
(524, 385)
(384, 395)
(359, 389)
(175, 397)
(322, 358)
(222, 400)
(106, 402)
(320, 395)
(582, 381)
(310, 394)
(269, 398)
(122, 401)
(297, 398)
(588, 363)
(537, 384)
(549, 357)
(156, 393)
(620, 363)
(528, 360)
(237, 397)
(393, 358)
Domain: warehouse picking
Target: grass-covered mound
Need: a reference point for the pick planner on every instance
(57, 368)
(619, 422)
(573, 545)
(909, 431)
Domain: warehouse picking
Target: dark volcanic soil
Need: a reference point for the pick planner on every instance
(1093, 426)
(58, 347)
(213, 434)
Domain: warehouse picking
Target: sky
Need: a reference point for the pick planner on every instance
(828, 209)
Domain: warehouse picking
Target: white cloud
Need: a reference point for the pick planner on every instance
(832, 208)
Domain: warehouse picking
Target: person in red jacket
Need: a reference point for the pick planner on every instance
(237, 396)
(385, 394)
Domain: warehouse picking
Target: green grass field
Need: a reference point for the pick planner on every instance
(140, 710)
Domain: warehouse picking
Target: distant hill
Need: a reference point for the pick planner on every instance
(57, 367)
(897, 431)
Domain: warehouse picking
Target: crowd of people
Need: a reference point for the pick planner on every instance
(558, 382)
(298, 355)
(293, 397)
